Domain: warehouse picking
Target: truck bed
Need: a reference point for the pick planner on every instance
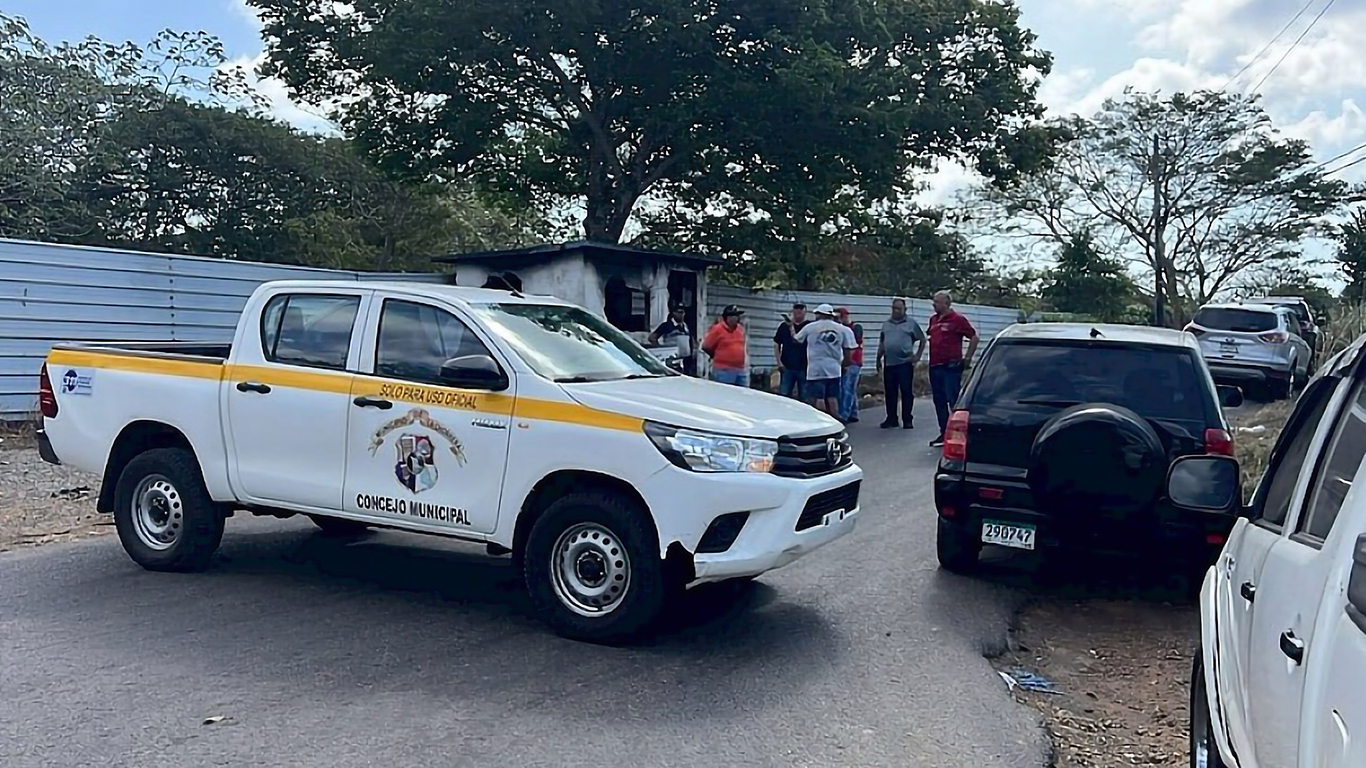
(201, 352)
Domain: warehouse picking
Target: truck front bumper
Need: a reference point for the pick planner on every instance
(45, 451)
(778, 519)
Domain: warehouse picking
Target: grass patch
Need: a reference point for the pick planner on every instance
(1254, 435)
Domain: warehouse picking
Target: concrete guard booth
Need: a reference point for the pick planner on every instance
(632, 288)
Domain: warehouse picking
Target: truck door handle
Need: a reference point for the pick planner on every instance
(1248, 591)
(251, 386)
(365, 401)
(1292, 646)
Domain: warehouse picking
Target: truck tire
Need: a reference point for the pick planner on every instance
(163, 513)
(1204, 750)
(336, 526)
(957, 548)
(593, 568)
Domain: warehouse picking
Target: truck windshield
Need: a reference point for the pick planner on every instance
(568, 344)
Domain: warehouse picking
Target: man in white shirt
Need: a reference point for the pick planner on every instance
(829, 349)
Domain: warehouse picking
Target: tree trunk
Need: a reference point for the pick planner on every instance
(606, 221)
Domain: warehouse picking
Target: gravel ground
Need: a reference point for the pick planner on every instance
(40, 502)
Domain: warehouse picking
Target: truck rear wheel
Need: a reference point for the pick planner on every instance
(593, 568)
(163, 513)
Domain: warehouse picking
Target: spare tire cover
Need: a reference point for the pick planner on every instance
(1097, 457)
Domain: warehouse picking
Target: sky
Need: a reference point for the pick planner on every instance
(1314, 90)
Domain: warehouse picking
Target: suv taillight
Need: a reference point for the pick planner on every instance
(1219, 442)
(47, 401)
(956, 437)
(1274, 337)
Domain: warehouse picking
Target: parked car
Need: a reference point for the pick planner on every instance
(1278, 680)
(1064, 436)
(1253, 345)
(1309, 327)
(520, 422)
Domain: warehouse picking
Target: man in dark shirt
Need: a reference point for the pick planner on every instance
(791, 355)
(668, 332)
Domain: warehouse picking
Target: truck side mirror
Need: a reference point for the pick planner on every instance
(1356, 585)
(1229, 397)
(474, 372)
(1205, 483)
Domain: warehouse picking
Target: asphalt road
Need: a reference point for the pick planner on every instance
(405, 651)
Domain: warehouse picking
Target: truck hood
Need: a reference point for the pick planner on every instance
(684, 401)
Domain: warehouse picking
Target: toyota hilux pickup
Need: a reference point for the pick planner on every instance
(520, 422)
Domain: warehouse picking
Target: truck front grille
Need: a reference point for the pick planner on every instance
(844, 498)
(813, 456)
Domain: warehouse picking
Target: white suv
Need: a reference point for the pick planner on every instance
(1253, 344)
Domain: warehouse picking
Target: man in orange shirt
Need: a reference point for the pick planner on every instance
(725, 344)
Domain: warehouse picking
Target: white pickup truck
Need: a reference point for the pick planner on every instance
(520, 422)
(1280, 680)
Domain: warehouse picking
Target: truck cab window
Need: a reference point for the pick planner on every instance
(415, 340)
(310, 330)
(1336, 471)
(1272, 503)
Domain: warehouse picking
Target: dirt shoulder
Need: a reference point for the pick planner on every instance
(1122, 669)
(41, 503)
(1117, 645)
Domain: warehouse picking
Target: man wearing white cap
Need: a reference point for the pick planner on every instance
(829, 349)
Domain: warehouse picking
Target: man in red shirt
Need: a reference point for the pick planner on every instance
(849, 382)
(725, 344)
(947, 330)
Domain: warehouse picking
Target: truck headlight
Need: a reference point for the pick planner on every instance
(707, 452)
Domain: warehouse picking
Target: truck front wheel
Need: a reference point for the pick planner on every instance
(164, 515)
(593, 568)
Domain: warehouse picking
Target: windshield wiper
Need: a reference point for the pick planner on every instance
(647, 376)
(1058, 403)
(575, 379)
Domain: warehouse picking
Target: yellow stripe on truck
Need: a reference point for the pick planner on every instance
(135, 364)
(353, 385)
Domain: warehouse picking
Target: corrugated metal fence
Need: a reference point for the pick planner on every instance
(51, 293)
(764, 311)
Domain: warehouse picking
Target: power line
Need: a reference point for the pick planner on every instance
(1357, 161)
(1336, 158)
(1267, 47)
(1293, 46)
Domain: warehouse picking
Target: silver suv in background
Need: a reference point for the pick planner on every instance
(1309, 327)
(1255, 345)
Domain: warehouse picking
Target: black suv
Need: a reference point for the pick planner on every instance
(1063, 438)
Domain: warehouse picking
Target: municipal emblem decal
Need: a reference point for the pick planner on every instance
(415, 451)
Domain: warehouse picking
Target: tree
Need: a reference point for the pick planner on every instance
(1085, 282)
(1196, 188)
(601, 104)
(1351, 255)
(161, 147)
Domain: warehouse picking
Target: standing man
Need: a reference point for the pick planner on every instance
(829, 347)
(725, 345)
(849, 384)
(791, 355)
(900, 346)
(948, 329)
(670, 330)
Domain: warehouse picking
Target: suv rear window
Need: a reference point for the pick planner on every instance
(1237, 320)
(1155, 382)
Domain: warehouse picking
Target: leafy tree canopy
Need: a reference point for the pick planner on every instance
(1196, 189)
(761, 107)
